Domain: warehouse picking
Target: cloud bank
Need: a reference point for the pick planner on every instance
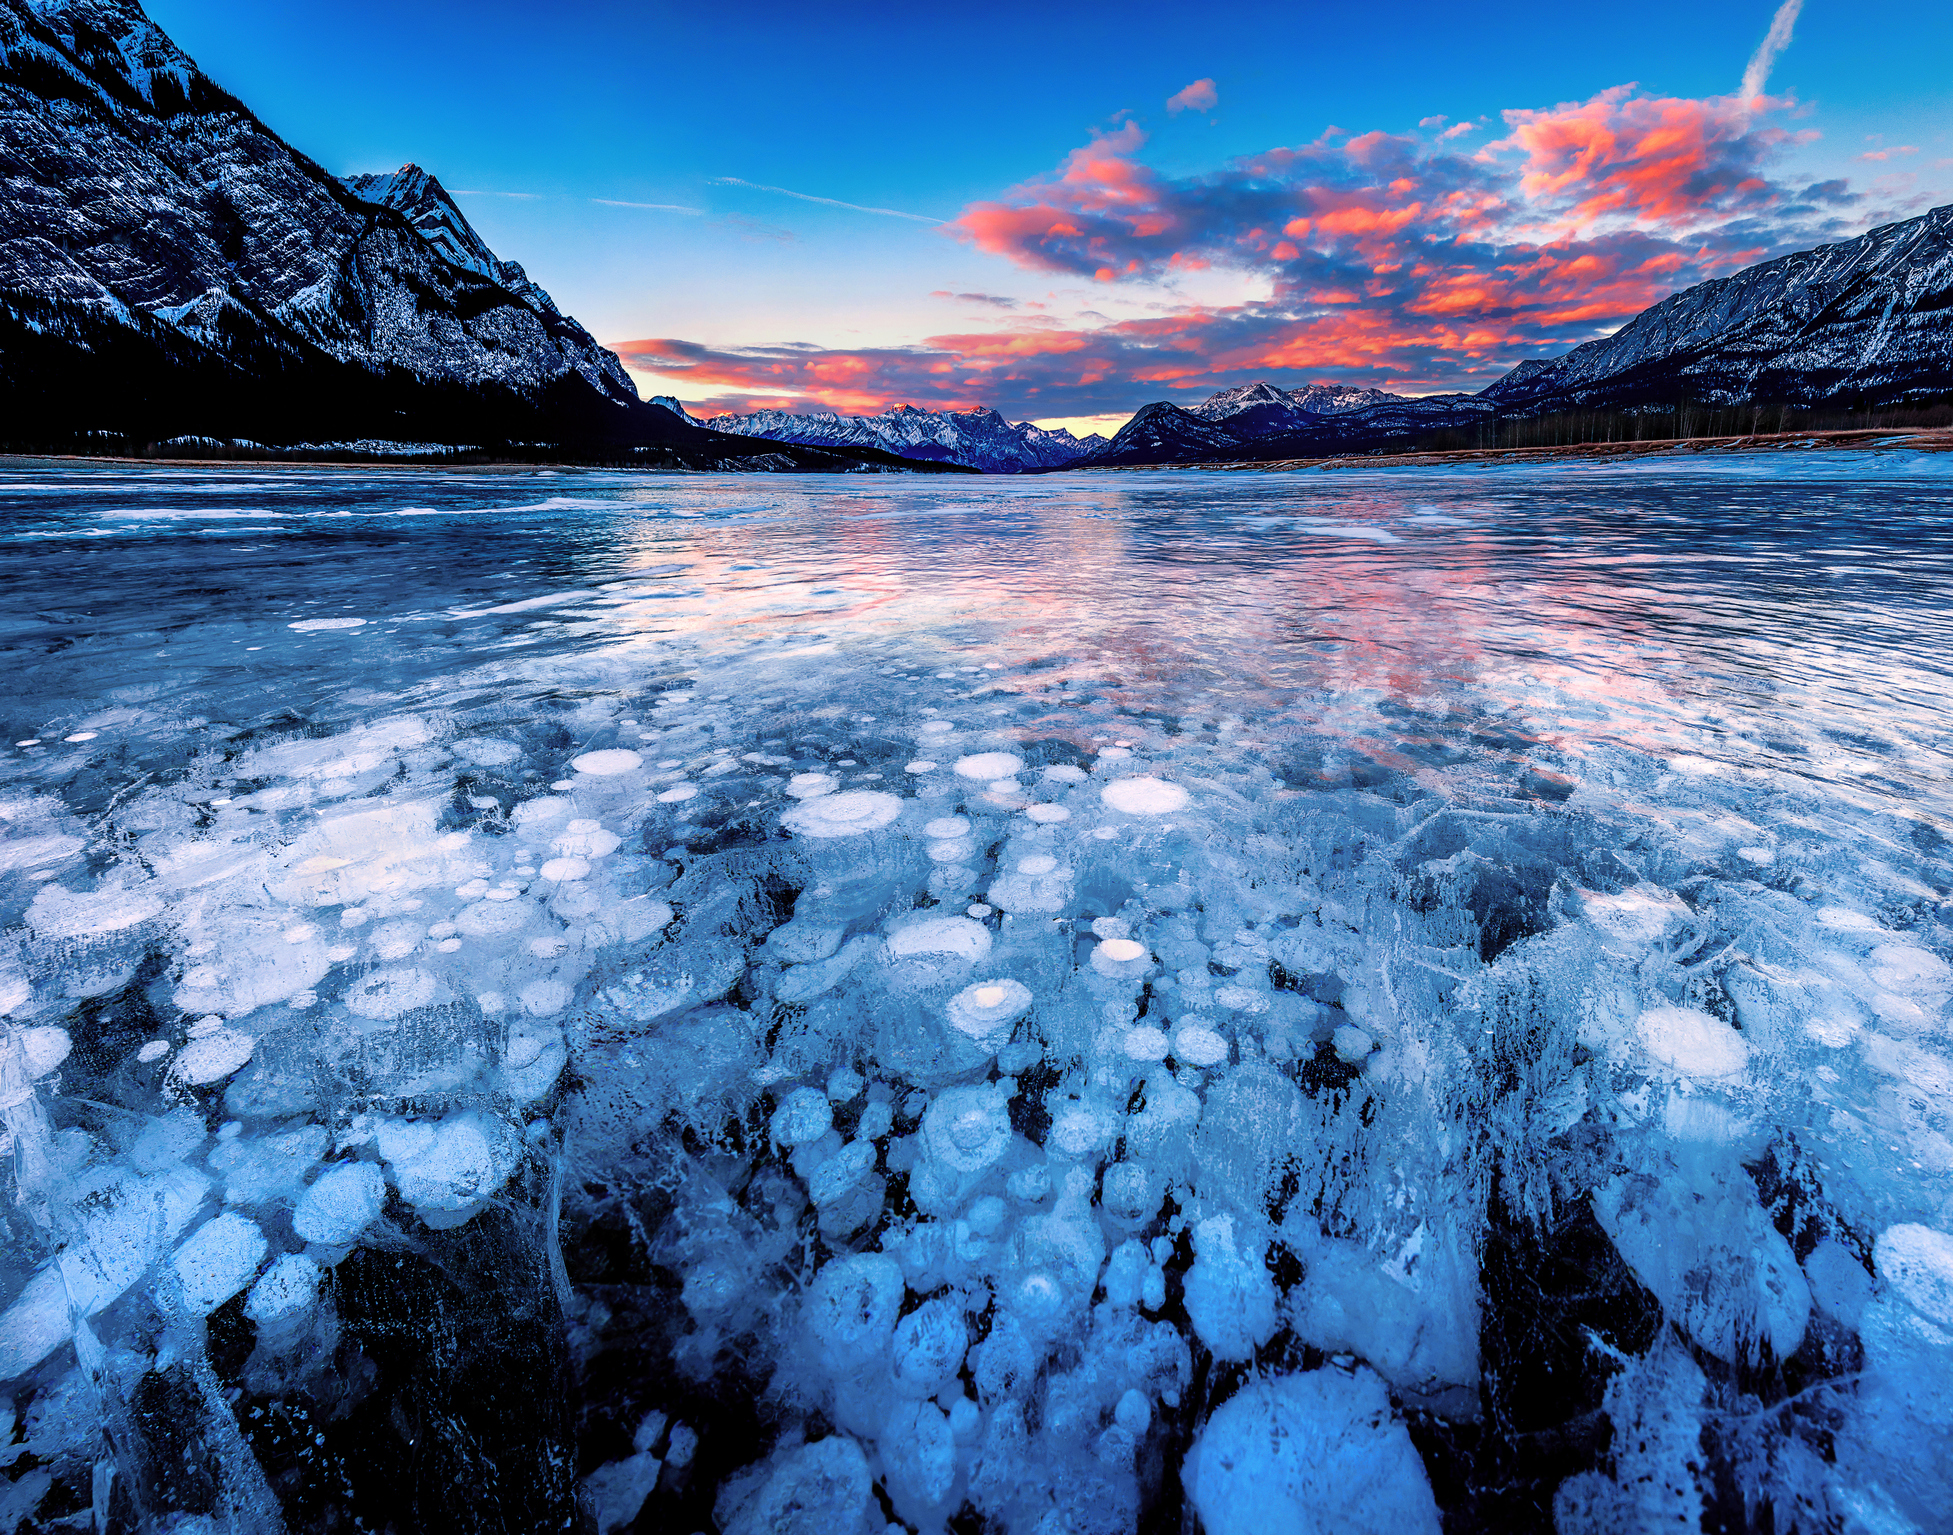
(1408, 261)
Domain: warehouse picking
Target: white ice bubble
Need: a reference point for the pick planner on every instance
(445, 1171)
(803, 1115)
(544, 999)
(1694, 1043)
(852, 1308)
(1144, 796)
(389, 993)
(1064, 772)
(677, 793)
(608, 763)
(1315, 1454)
(1037, 863)
(1048, 815)
(810, 785)
(928, 1347)
(936, 728)
(82, 735)
(1199, 1046)
(563, 870)
(957, 936)
(1230, 1294)
(849, 814)
(920, 765)
(287, 1288)
(43, 1048)
(984, 1013)
(945, 827)
(1917, 1261)
(1120, 957)
(314, 625)
(217, 1260)
(967, 1129)
(341, 1203)
(986, 767)
(213, 1057)
(1144, 1044)
(153, 1050)
(1353, 1045)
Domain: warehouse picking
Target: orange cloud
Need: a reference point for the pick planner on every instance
(1396, 260)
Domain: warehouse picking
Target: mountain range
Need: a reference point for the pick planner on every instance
(176, 277)
(1865, 321)
(171, 268)
(979, 439)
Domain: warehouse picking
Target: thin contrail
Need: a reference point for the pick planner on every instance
(832, 202)
(1774, 42)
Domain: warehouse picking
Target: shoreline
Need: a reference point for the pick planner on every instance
(1859, 439)
(1928, 440)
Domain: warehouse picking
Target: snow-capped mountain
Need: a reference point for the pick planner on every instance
(170, 267)
(1260, 421)
(1869, 318)
(977, 439)
(1252, 409)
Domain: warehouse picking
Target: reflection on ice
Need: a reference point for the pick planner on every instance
(1069, 1011)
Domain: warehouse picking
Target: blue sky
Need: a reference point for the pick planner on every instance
(549, 122)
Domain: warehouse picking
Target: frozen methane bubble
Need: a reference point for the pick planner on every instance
(848, 814)
(947, 827)
(804, 1115)
(967, 1128)
(213, 1057)
(1314, 1454)
(288, 1287)
(389, 993)
(447, 1170)
(1694, 1043)
(852, 1309)
(984, 1013)
(1120, 957)
(959, 937)
(815, 1489)
(217, 1260)
(1353, 1045)
(1198, 1046)
(928, 1347)
(1230, 1295)
(1048, 815)
(1144, 1044)
(319, 625)
(1144, 796)
(608, 763)
(43, 1048)
(341, 1203)
(987, 767)
(812, 785)
(1917, 1262)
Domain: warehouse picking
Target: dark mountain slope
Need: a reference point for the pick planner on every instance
(170, 266)
(1869, 319)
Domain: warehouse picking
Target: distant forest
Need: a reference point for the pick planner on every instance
(1678, 422)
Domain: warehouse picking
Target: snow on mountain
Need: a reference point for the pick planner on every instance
(132, 185)
(1869, 318)
(1272, 408)
(979, 439)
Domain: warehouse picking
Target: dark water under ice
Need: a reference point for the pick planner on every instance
(1083, 1003)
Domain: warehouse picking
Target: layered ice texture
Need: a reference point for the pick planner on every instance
(1382, 1003)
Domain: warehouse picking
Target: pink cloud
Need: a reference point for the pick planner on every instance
(1198, 97)
(1381, 258)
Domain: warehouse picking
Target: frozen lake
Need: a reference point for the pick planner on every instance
(1063, 1005)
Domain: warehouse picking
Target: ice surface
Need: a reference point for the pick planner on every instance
(1385, 1005)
